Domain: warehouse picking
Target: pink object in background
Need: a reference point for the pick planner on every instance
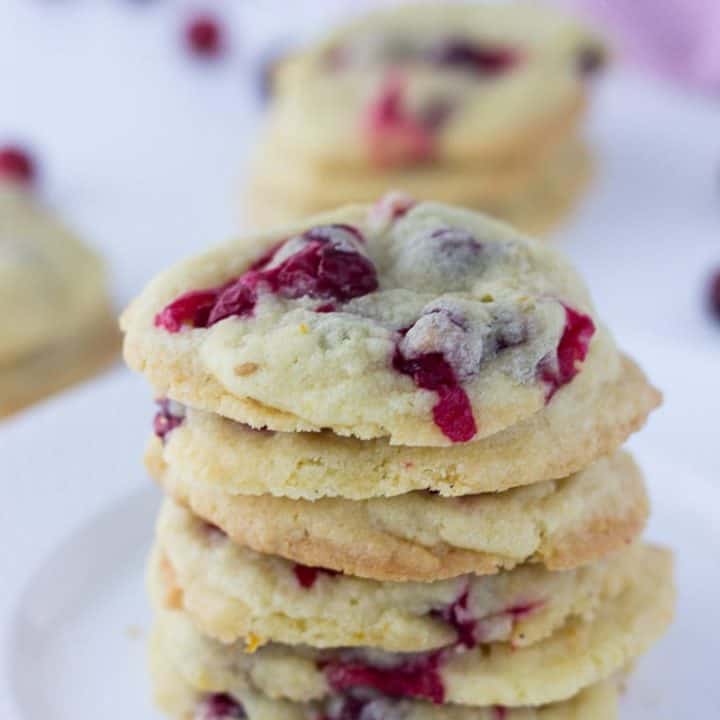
(677, 38)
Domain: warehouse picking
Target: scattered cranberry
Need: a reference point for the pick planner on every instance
(572, 349)
(219, 706)
(465, 55)
(395, 136)
(327, 265)
(17, 165)
(204, 36)
(590, 60)
(500, 712)
(452, 413)
(417, 677)
(169, 416)
(714, 294)
(307, 576)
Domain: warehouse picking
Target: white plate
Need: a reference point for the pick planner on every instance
(77, 648)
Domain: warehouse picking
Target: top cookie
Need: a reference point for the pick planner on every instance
(435, 81)
(426, 324)
(50, 283)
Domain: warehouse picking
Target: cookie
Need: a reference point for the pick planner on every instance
(532, 199)
(583, 423)
(180, 700)
(574, 657)
(419, 84)
(57, 326)
(427, 324)
(77, 357)
(423, 537)
(51, 284)
(232, 592)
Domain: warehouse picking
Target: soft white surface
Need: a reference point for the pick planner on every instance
(143, 150)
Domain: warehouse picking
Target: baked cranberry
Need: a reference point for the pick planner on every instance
(452, 412)
(219, 706)
(500, 712)
(169, 416)
(590, 60)
(204, 36)
(572, 349)
(714, 294)
(466, 55)
(307, 576)
(418, 677)
(394, 135)
(458, 615)
(17, 165)
(324, 263)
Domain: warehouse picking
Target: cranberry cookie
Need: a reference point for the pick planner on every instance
(232, 593)
(57, 326)
(576, 656)
(181, 700)
(423, 537)
(435, 83)
(423, 323)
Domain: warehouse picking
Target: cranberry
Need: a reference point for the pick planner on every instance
(17, 165)
(465, 55)
(416, 677)
(452, 413)
(169, 416)
(326, 265)
(458, 615)
(395, 136)
(219, 706)
(500, 712)
(590, 60)
(204, 36)
(307, 576)
(572, 349)
(714, 294)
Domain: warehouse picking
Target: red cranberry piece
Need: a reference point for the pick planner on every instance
(192, 308)
(453, 411)
(572, 349)
(204, 36)
(714, 294)
(458, 615)
(307, 576)
(416, 677)
(169, 416)
(17, 165)
(219, 706)
(395, 136)
(327, 265)
(500, 712)
(465, 55)
(590, 60)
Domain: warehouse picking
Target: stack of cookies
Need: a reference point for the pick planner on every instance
(477, 105)
(389, 439)
(57, 326)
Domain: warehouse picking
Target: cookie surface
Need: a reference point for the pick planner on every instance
(421, 536)
(416, 84)
(51, 285)
(427, 324)
(586, 421)
(571, 659)
(232, 592)
(175, 696)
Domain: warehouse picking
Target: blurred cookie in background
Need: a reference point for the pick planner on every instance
(57, 326)
(476, 105)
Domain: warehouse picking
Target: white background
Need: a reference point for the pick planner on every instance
(143, 148)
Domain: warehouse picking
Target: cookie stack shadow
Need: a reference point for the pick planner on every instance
(479, 106)
(317, 576)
